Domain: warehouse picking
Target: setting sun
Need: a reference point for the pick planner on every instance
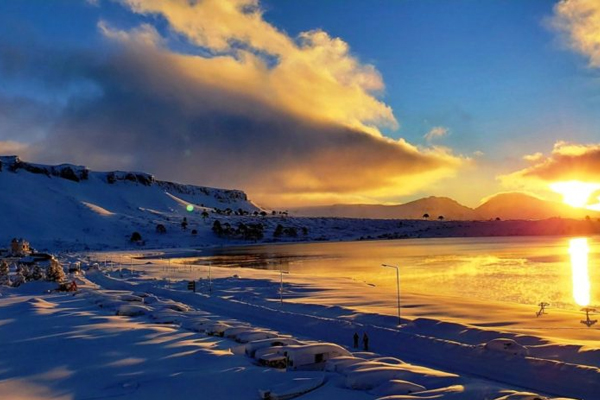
(575, 193)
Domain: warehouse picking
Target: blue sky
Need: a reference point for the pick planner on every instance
(490, 71)
(494, 74)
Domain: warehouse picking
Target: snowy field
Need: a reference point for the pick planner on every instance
(77, 347)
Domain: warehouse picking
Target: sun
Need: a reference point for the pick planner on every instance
(575, 193)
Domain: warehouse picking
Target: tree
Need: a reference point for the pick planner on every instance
(160, 228)
(55, 272)
(263, 213)
(194, 232)
(184, 223)
(37, 274)
(135, 237)
(18, 279)
(425, 216)
(23, 270)
(587, 218)
(217, 228)
(204, 215)
(4, 273)
(278, 231)
(441, 218)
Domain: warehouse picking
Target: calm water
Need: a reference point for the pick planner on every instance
(527, 270)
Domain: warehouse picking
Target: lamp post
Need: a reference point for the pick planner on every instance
(281, 286)
(209, 280)
(397, 286)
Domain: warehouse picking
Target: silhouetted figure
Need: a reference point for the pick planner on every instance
(355, 340)
(365, 342)
(588, 322)
(542, 309)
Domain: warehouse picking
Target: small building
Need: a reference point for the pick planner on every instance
(20, 247)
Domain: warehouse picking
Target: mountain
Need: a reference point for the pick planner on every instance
(434, 206)
(52, 204)
(506, 206)
(516, 205)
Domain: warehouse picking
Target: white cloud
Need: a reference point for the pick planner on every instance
(436, 133)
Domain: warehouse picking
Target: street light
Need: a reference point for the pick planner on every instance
(281, 286)
(397, 286)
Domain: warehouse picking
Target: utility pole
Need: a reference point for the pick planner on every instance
(397, 287)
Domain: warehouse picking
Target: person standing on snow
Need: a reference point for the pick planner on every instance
(365, 342)
(355, 337)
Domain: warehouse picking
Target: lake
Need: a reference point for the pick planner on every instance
(562, 271)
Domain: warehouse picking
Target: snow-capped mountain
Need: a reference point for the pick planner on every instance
(53, 204)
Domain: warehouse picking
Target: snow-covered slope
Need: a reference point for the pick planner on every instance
(53, 204)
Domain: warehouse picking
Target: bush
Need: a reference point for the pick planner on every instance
(160, 228)
(55, 272)
(37, 274)
(217, 228)
(18, 279)
(24, 271)
(135, 237)
(4, 271)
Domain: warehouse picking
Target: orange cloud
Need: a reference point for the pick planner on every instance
(579, 21)
(313, 75)
(570, 169)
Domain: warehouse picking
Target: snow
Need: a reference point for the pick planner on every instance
(135, 331)
(172, 354)
(396, 387)
(506, 346)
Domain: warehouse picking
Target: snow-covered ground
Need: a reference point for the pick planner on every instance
(65, 346)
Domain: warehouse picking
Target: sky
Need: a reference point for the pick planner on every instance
(311, 102)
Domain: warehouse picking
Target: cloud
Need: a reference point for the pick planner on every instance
(244, 106)
(313, 75)
(9, 147)
(579, 21)
(533, 157)
(436, 133)
(567, 162)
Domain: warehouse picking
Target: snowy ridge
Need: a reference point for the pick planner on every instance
(78, 173)
(69, 206)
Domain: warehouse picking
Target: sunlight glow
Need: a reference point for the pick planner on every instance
(575, 193)
(579, 264)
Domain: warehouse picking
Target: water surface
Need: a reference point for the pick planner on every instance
(526, 270)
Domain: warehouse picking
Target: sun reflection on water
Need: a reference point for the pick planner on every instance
(579, 250)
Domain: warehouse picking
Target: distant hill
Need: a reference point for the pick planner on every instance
(433, 206)
(505, 206)
(518, 205)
